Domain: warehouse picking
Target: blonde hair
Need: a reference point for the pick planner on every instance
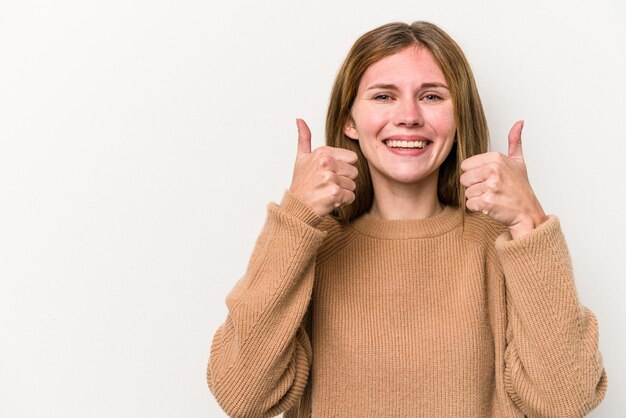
(472, 136)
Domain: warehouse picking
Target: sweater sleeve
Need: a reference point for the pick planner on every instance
(261, 355)
(553, 367)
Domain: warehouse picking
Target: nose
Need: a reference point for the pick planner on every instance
(409, 114)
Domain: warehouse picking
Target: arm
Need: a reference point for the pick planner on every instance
(553, 365)
(261, 355)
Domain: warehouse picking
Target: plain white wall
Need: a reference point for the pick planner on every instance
(142, 140)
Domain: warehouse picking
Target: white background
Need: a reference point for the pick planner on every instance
(142, 140)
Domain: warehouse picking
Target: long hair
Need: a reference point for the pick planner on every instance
(472, 135)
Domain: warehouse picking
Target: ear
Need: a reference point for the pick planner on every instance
(349, 129)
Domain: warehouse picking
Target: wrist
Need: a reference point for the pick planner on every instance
(527, 224)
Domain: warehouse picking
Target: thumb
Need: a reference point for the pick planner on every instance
(304, 137)
(515, 140)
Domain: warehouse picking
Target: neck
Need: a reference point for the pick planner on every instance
(405, 201)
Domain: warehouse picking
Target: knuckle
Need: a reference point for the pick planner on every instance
(329, 177)
(494, 169)
(321, 152)
(324, 162)
(335, 191)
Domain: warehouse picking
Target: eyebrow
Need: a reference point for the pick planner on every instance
(394, 87)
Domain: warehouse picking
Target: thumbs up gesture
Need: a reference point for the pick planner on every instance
(324, 178)
(497, 185)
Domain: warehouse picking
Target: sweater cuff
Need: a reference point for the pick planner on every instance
(540, 253)
(546, 234)
(292, 206)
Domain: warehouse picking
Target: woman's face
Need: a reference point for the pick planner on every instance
(403, 118)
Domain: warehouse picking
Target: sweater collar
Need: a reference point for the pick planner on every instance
(447, 220)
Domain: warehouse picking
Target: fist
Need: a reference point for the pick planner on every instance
(322, 179)
(497, 185)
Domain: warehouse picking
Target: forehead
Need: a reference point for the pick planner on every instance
(413, 65)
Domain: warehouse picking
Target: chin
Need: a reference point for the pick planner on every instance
(409, 178)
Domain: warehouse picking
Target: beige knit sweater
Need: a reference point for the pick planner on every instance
(415, 318)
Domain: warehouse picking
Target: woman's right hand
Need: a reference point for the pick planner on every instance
(322, 179)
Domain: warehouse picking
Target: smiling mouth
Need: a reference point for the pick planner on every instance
(394, 143)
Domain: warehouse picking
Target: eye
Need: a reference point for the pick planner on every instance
(382, 97)
(432, 97)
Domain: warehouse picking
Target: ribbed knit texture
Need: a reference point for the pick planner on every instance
(415, 318)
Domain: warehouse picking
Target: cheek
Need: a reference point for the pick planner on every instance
(369, 122)
(443, 123)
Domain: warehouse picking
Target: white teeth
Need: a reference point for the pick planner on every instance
(406, 144)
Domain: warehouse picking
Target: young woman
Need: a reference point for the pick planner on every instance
(407, 272)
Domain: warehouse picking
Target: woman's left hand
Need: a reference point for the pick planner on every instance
(497, 185)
